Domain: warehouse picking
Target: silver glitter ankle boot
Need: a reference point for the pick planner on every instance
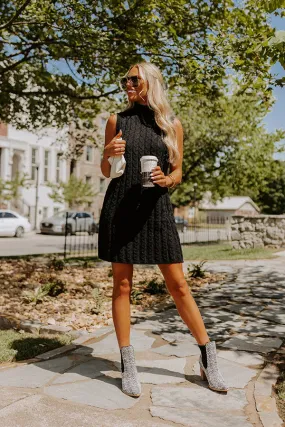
(130, 383)
(211, 372)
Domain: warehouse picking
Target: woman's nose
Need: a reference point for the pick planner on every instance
(129, 83)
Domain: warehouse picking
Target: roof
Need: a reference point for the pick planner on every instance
(228, 204)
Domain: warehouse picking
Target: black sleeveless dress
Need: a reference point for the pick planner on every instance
(137, 224)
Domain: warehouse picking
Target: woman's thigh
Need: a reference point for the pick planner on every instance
(174, 276)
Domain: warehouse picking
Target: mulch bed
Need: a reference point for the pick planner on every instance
(86, 300)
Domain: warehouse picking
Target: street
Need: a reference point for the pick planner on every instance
(30, 244)
(33, 243)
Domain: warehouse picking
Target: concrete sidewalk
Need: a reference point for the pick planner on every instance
(245, 315)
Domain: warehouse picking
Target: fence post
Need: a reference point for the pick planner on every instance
(65, 235)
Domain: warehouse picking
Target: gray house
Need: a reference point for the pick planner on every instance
(222, 211)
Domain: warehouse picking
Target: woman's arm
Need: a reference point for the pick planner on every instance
(112, 147)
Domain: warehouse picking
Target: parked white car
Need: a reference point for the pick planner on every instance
(13, 224)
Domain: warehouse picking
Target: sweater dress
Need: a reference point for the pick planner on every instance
(137, 223)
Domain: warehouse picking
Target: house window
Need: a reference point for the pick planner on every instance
(89, 153)
(57, 169)
(46, 166)
(55, 211)
(45, 212)
(34, 164)
(88, 179)
(102, 185)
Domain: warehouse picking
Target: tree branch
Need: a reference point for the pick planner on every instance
(60, 93)
(18, 13)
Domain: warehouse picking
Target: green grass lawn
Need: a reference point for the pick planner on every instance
(16, 346)
(224, 251)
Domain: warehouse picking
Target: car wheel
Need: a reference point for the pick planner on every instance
(69, 230)
(19, 232)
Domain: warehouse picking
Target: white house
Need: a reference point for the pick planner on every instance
(24, 153)
(223, 210)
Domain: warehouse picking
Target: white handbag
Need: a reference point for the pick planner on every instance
(118, 165)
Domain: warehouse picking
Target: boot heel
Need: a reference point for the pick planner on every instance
(203, 375)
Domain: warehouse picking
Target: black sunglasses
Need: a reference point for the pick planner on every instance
(134, 79)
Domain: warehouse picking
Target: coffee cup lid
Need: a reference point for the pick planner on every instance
(149, 158)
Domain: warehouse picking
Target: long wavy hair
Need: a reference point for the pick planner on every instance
(158, 102)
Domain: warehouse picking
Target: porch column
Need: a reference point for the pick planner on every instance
(5, 163)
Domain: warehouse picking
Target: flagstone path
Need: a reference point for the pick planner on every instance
(244, 314)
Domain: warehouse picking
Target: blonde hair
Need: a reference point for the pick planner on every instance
(158, 102)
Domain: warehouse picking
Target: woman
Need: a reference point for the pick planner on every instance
(137, 224)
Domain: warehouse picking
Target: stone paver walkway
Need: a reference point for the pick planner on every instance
(245, 315)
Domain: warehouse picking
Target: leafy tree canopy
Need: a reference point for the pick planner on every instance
(271, 198)
(60, 59)
(75, 192)
(227, 149)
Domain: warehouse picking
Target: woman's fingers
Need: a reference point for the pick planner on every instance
(156, 172)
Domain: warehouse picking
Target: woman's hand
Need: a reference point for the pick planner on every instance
(159, 178)
(115, 147)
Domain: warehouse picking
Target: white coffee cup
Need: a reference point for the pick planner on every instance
(148, 163)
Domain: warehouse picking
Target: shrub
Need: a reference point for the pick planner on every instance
(154, 287)
(54, 288)
(98, 301)
(56, 263)
(197, 270)
(35, 296)
(136, 296)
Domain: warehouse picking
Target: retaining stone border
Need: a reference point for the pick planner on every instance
(258, 231)
(264, 401)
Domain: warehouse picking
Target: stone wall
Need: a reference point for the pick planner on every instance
(258, 231)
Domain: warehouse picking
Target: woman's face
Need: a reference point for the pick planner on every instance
(139, 93)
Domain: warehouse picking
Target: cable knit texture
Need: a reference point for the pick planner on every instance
(215, 379)
(137, 224)
(130, 382)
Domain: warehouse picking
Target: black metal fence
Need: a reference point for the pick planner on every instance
(81, 237)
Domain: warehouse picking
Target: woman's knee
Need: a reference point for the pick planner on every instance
(122, 286)
(179, 288)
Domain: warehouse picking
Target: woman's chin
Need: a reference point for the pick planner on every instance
(132, 98)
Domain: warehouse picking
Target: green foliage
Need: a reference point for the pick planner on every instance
(52, 289)
(195, 43)
(271, 198)
(154, 287)
(36, 296)
(98, 300)
(136, 296)
(10, 190)
(16, 346)
(74, 192)
(197, 271)
(56, 263)
(224, 251)
(227, 150)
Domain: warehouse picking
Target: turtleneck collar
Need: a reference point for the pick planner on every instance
(142, 107)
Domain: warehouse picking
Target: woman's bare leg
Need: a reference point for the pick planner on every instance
(185, 303)
(122, 277)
